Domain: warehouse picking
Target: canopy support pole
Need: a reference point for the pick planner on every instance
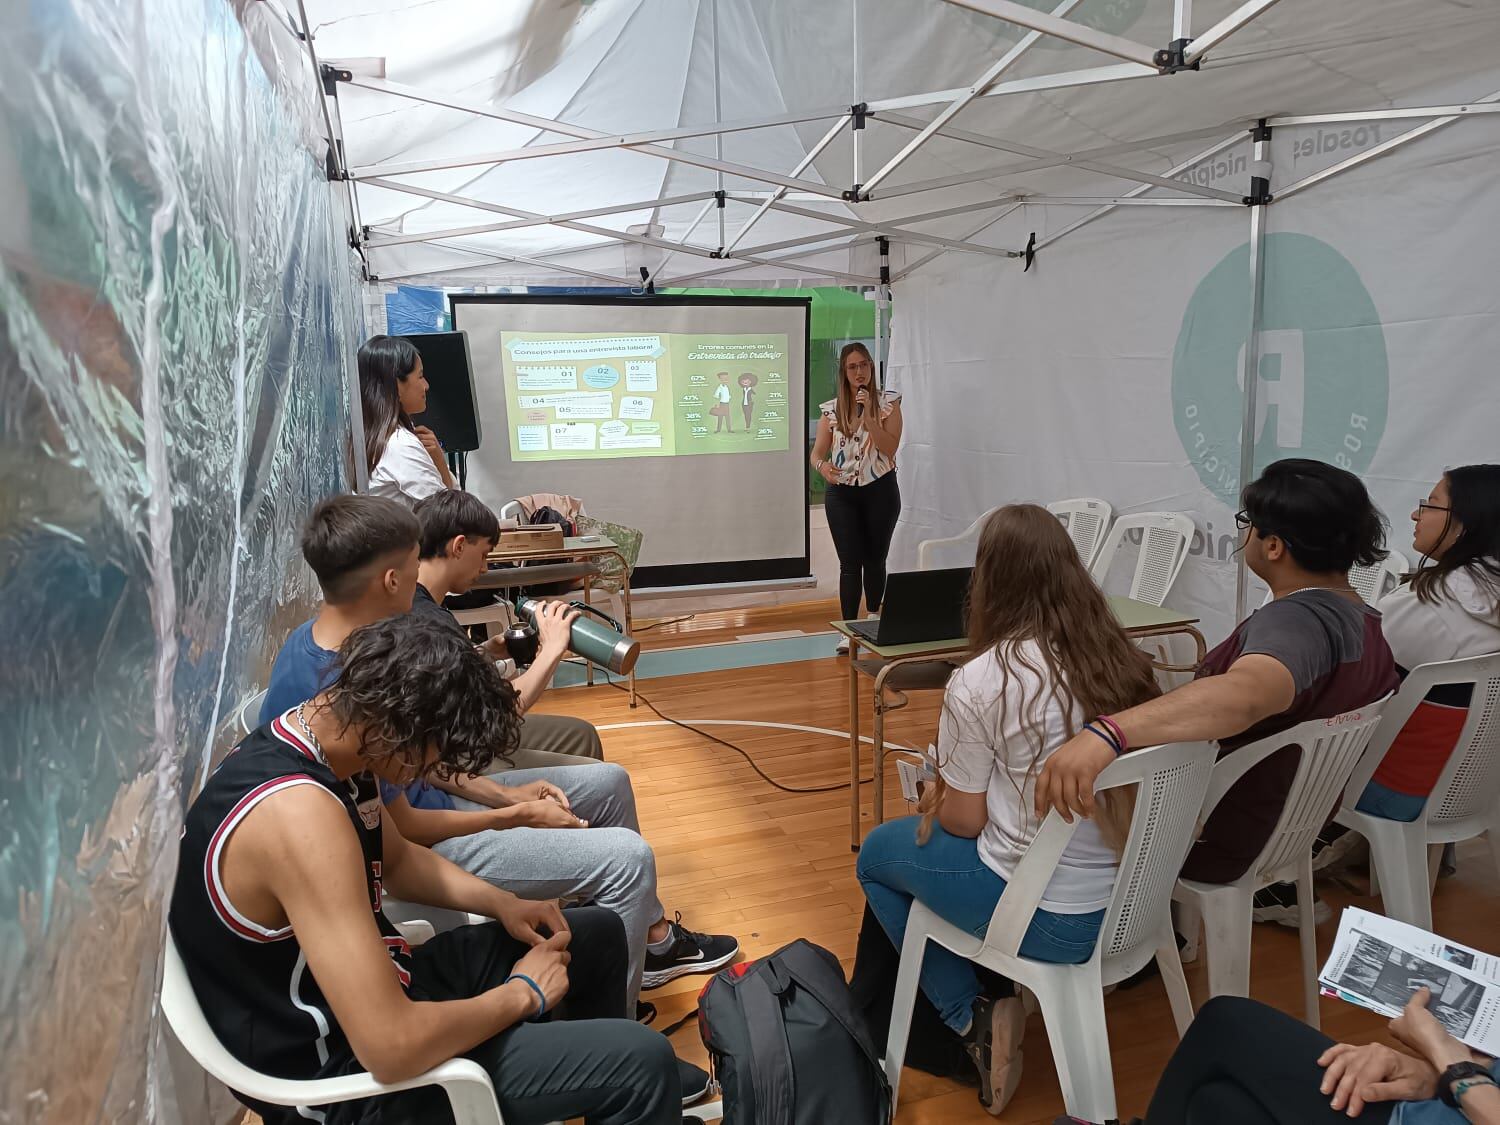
(1226, 27)
(518, 224)
(1492, 103)
(1191, 162)
(780, 193)
(900, 234)
(1075, 160)
(1051, 24)
(548, 125)
(953, 108)
(883, 313)
(1259, 197)
(719, 116)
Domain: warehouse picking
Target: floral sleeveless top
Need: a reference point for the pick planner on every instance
(855, 456)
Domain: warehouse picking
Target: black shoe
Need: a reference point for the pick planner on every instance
(1278, 903)
(1333, 846)
(695, 1082)
(645, 1013)
(689, 952)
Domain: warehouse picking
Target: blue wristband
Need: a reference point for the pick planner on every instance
(540, 995)
(1106, 739)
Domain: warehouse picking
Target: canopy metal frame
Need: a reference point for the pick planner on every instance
(796, 192)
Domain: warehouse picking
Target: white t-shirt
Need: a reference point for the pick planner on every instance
(1462, 622)
(405, 471)
(982, 751)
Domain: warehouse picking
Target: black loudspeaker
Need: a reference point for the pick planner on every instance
(452, 412)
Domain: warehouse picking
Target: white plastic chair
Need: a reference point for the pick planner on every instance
(248, 715)
(1330, 750)
(1087, 521)
(1137, 927)
(470, 1093)
(1375, 582)
(1463, 804)
(959, 550)
(1165, 539)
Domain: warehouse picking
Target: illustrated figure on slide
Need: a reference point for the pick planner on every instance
(747, 394)
(720, 408)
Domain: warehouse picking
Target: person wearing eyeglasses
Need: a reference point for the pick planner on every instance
(1314, 651)
(1448, 609)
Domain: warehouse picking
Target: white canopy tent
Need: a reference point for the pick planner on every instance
(754, 142)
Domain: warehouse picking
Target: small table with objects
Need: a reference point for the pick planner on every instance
(576, 560)
(926, 666)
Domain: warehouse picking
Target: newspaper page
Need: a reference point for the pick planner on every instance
(1378, 962)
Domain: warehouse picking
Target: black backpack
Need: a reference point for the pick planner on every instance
(787, 1045)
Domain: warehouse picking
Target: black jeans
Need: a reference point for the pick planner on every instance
(1243, 1063)
(588, 1061)
(862, 519)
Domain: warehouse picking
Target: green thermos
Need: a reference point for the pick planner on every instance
(607, 645)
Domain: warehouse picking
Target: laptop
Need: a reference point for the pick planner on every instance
(920, 605)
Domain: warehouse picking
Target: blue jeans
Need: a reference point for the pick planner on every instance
(1377, 800)
(948, 876)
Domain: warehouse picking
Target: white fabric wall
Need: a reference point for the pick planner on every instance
(1087, 375)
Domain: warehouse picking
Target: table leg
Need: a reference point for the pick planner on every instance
(853, 747)
(629, 627)
(588, 586)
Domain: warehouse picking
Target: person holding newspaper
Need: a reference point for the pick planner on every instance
(1295, 1075)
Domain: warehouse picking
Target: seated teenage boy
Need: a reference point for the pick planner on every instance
(1315, 651)
(607, 863)
(276, 911)
(363, 550)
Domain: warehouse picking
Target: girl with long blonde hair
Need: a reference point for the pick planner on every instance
(1046, 655)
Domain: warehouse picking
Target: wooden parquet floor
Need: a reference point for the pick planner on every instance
(736, 855)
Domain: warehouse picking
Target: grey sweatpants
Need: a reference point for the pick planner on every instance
(606, 864)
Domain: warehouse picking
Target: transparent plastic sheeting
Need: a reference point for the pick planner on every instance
(177, 314)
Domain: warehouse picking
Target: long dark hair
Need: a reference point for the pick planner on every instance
(1030, 585)
(844, 402)
(1474, 506)
(383, 362)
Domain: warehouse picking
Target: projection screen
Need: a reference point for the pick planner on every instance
(683, 417)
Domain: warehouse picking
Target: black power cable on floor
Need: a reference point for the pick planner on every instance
(741, 751)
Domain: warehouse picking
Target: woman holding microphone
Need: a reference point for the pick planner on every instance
(855, 452)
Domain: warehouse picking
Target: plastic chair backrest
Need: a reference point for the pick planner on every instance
(1375, 582)
(1087, 521)
(960, 550)
(1171, 783)
(1469, 785)
(249, 712)
(1165, 539)
(468, 1087)
(187, 1021)
(512, 510)
(1331, 749)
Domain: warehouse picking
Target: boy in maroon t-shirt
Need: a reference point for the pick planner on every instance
(1313, 652)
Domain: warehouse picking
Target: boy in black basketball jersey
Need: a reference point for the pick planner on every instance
(276, 912)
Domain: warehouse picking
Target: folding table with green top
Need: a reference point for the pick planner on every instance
(926, 666)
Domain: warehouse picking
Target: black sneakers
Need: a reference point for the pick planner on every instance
(1278, 903)
(689, 952)
(695, 1082)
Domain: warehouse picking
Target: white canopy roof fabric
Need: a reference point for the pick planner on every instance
(451, 104)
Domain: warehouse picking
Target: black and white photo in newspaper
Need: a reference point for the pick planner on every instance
(1378, 963)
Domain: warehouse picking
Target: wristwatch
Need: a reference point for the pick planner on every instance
(1456, 1073)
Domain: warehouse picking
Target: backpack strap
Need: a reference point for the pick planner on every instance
(807, 965)
(770, 1055)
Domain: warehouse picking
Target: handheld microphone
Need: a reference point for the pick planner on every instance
(608, 646)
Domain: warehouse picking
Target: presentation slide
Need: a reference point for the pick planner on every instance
(597, 396)
(680, 416)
